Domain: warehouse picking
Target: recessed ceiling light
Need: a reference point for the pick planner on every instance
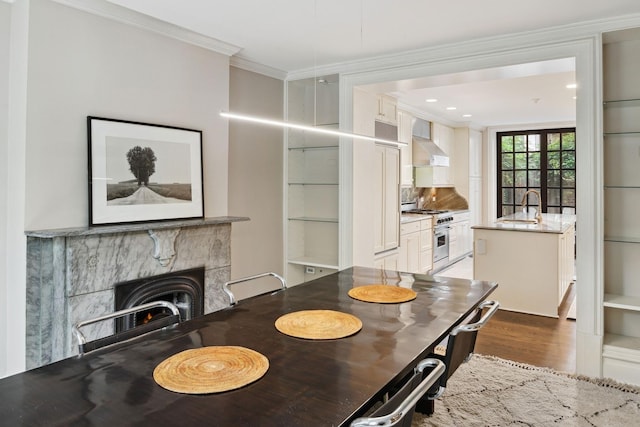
(466, 115)
(575, 97)
(451, 108)
(572, 86)
(430, 100)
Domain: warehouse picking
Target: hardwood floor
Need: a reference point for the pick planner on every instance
(535, 340)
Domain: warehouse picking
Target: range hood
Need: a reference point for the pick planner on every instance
(425, 151)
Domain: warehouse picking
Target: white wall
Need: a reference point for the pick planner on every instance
(81, 64)
(256, 179)
(5, 27)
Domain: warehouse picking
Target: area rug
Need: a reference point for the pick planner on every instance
(489, 391)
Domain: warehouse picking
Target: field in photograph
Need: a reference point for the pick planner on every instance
(177, 191)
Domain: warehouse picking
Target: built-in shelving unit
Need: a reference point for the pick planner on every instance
(312, 180)
(621, 302)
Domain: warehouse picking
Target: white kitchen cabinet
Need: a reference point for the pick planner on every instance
(387, 261)
(467, 170)
(460, 236)
(426, 245)
(313, 182)
(387, 109)
(438, 176)
(533, 266)
(405, 126)
(416, 246)
(475, 153)
(460, 169)
(475, 200)
(386, 194)
(621, 302)
(409, 255)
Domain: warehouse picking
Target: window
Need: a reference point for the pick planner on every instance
(542, 160)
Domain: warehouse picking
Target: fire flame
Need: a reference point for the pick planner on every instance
(147, 318)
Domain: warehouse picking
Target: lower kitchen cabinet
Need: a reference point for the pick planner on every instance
(460, 237)
(387, 261)
(409, 255)
(416, 246)
(426, 245)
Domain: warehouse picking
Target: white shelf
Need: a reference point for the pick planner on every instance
(620, 102)
(315, 262)
(622, 239)
(312, 179)
(622, 302)
(317, 147)
(313, 219)
(621, 306)
(314, 183)
(621, 347)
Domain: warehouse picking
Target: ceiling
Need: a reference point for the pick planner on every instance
(295, 35)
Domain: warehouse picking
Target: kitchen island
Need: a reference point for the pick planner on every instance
(533, 261)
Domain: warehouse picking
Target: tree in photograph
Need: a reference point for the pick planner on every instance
(142, 163)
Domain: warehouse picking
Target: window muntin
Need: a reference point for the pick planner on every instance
(543, 160)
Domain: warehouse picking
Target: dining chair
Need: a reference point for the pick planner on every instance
(399, 409)
(226, 287)
(85, 346)
(461, 343)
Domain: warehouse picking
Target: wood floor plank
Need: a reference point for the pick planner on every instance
(535, 340)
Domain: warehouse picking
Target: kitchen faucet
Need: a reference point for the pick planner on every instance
(538, 210)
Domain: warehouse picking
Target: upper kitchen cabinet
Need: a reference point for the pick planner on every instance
(387, 109)
(405, 125)
(467, 169)
(621, 303)
(437, 176)
(313, 180)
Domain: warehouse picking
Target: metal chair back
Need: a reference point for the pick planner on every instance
(85, 346)
(232, 297)
(399, 409)
(461, 343)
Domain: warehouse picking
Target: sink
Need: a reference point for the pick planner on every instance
(519, 220)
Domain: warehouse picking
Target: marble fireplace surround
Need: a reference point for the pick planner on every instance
(71, 273)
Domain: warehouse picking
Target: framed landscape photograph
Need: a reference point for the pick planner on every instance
(141, 172)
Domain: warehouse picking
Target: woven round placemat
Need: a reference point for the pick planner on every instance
(210, 369)
(318, 324)
(386, 294)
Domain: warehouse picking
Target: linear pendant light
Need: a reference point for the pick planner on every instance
(290, 125)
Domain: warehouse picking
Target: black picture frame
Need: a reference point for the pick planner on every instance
(143, 172)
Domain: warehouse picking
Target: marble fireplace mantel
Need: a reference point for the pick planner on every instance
(71, 272)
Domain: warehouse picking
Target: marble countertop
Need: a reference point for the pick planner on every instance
(551, 223)
(410, 217)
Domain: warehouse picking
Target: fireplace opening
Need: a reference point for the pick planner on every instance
(183, 288)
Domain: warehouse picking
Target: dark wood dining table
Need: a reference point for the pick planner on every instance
(308, 383)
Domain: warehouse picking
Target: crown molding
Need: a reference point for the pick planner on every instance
(248, 65)
(9, 1)
(476, 47)
(127, 16)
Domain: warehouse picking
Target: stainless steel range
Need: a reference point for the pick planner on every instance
(441, 227)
